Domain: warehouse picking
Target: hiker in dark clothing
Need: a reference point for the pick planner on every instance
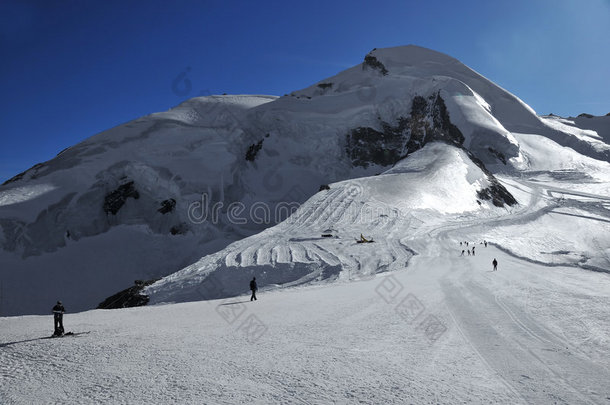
(462, 252)
(473, 250)
(253, 287)
(58, 317)
(495, 263)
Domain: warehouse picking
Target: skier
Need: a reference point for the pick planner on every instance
(58, 315)
(462, 252)
(253, 287)
(485, 242)
(495, 263)
(460, 243)
(468, 250)
(473, 250)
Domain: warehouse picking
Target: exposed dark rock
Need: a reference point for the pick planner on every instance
(117, 198)
(428, 121)
(367, 146)
(423, 131)
(372, 62)
(253, 150)
(167, 206)
(129, 297)
(324, 187)
(497, 154)
(179, 229)
(325, 86)
(497, 194)
(585, 115)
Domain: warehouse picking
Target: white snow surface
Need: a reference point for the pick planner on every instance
(57, 240)
(407, 318)
(442, 330)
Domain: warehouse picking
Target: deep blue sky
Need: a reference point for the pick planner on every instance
(70, 69)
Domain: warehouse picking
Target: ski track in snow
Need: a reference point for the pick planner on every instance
(340, 343)
(528, 333)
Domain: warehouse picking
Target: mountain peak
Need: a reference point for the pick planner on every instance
(411, 55)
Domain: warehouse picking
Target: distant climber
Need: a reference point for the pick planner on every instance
(253, 287)
(485, 242)
(58, 318)
(473, 250)
(495, 263)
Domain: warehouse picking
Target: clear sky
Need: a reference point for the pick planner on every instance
(72, 68)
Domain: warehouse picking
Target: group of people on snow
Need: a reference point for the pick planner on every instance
(471, 252)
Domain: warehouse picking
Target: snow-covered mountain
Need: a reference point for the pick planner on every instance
(408, 142)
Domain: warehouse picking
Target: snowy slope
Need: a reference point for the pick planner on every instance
(438, 185)
(435, 181)
(419, 153)
(155, 195)
(441, 331)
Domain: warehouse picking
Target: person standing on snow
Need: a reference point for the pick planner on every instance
(253, 287)
(473, 250)
(495, 263)
(58, 318)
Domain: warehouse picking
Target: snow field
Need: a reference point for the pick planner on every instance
(524, 334)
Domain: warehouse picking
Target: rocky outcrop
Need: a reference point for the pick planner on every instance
(253, 150)
(130, 297)
(427, 121)
(497, 194)
(167, 206)
(117, 198)
(497, 154)
(373, 63)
